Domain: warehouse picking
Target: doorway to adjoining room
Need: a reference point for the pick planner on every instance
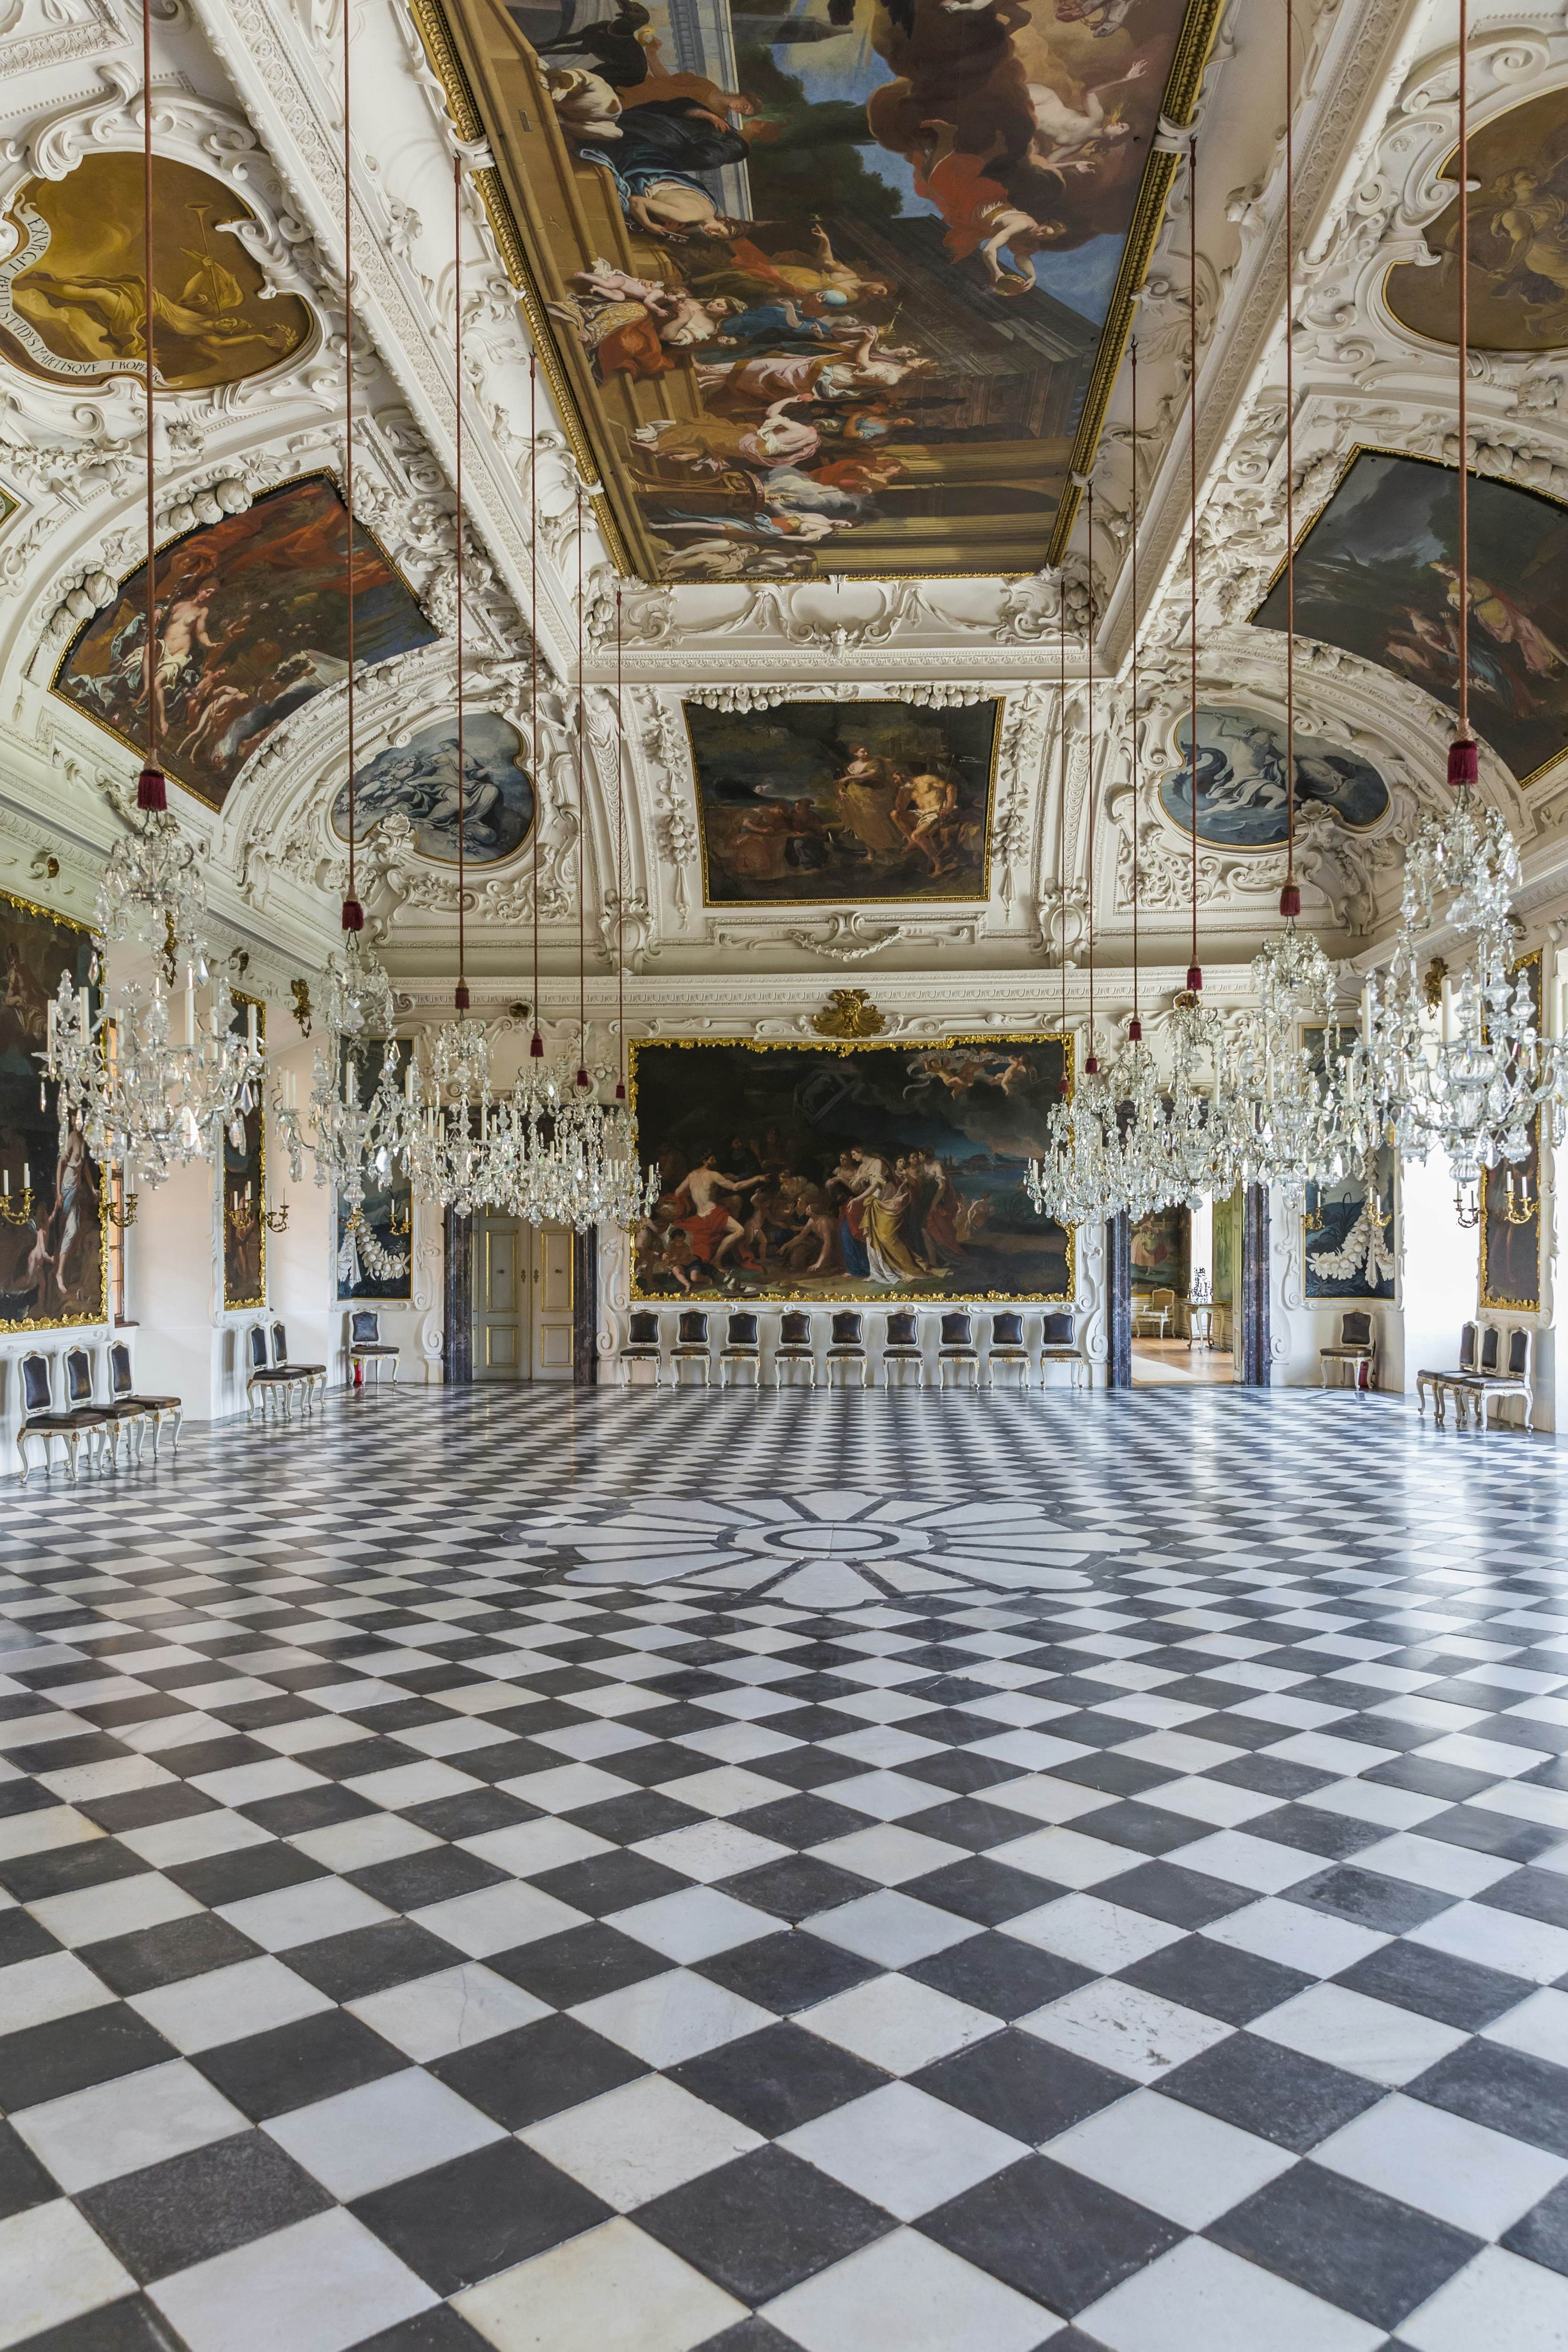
(1185, 1265)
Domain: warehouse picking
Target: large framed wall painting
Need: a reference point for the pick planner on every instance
(855, 1172)
(1510, 1237)
(1161, 1250)
(386, 1212)
(813, 802)
(829, 290)
(53, 1259)
(245, 1187)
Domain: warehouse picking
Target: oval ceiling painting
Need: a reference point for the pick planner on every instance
(73, 292)
(1241, 781)
(1518, 239)
(418, 780)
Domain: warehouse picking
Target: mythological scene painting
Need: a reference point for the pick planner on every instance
(830, 280)
(880, 1173)
(245, 1189)
(52, 1258)
(385, 1215)
(1518, 239)
(418, 780)
(821, 801)
(1511, 1214)
(73, 294)
(1377, 572)
(1242, 795)
(251, 621)
(1161, 1245)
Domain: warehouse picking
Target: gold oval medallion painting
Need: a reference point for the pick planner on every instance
(72, 295)
(1518, 239)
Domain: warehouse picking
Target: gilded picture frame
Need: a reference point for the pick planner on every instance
(242, 1199)
(30, 1142)
(1011, 1094)
(1509, 1272)
(971, 869)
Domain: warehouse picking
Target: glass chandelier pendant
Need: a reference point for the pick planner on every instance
(154, 1082)
(1471, 1074)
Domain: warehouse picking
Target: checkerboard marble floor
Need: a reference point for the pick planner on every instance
(601, 1873)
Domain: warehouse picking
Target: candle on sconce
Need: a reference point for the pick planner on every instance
(251, 1027)
(27, 1175)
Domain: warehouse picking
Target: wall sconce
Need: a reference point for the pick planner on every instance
(123, 1212)
(240, 1211)
(1521, 1206)
(276, 1220)
(1466, 1206)
(17, 1211)
(400, 1225)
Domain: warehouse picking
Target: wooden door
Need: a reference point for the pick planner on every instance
(501, 1319)
(551, 1286)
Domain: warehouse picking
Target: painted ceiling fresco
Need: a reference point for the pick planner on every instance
(1518, 239)
(1242, 795)
(1377, 572)
(829, 286)
(251, 621)
(418, 780)
(73, 295)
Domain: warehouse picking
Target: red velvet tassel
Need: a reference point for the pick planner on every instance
(1290, 899)
(353, 915)
(1194, 977)
(152, 790)
(1135, 1031)
(461, 996)
(1464, 762)
(582, 1077)
(1091, 1067)
(536, 1051)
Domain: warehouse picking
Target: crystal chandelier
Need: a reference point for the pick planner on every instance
(1469, 1074)
(147, 1086)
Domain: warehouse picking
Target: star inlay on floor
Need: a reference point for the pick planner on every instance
(633, 1873)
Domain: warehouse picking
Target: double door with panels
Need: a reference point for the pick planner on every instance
(522, 1300)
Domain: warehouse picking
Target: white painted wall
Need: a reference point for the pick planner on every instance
(1439, 1276)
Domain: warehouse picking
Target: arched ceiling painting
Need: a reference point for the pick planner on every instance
(1376, 572)
(834, 290)
(252, 623)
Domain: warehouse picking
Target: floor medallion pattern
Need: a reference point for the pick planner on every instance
(828, 1549)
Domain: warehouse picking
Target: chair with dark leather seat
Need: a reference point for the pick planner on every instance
(902, 1353)
(154, 1409)
(1007, 1358)
(845, 1349)
(691, 1358)
(1058, 1345)
(42, 1421)
(1356, 1347)
(118, 1413)
(740, 1357)
(795, 1352)
(367, 1347)
(957, 1357)
(274, 1382)
(642, 1353)
(310, 1379)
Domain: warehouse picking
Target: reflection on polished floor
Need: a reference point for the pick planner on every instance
(1155, 1361)
(627, 1873)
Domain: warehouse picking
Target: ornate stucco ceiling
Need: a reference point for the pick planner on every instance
(247, 93)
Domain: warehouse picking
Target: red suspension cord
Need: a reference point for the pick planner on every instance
(1062, 807)
(1464, 756)
(620, 857)
(536, 1048)
(1135, 1026)
(1092, 1060)
(461, 993)
(1290, 897)
(1195, 970)
(582, 826)
(151, 791)
(353, 913)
